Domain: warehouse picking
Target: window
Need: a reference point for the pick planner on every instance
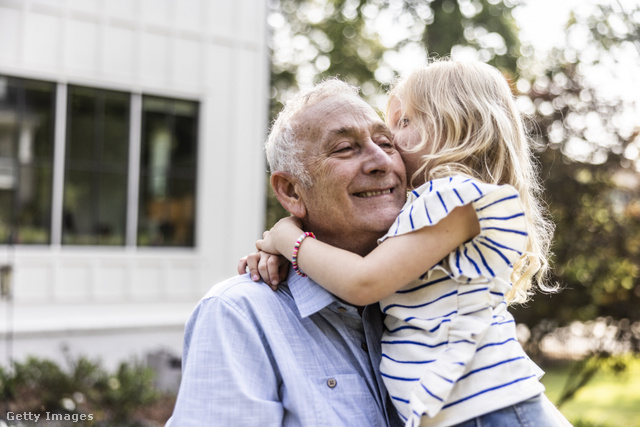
(96, 167)
(167, 172)
(26, 160)
(82, 189)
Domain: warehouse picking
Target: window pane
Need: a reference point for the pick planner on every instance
(95, 191)
(186, 133)
(116, 130)
(40, 103)
(35, 204)
(6, 204)
(112, 209)
(81, 125)
(78, 223)
(9, 121)
(26, 157)
(168, 172)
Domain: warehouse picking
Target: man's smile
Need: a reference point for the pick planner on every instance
(366, 194)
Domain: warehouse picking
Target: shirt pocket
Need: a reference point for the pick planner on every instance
(347, 400)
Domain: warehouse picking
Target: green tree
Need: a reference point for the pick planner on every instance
(314, 39)
(591, 169)
(588, 137)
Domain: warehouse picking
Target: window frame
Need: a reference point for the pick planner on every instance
(59, 129)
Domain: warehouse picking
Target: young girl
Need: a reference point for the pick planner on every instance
(471, 239)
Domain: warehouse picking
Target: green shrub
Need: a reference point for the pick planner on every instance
(40, 386)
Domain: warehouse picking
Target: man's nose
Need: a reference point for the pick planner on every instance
(377, 160)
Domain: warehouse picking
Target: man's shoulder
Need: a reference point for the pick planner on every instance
(243, 293)
(238, 286)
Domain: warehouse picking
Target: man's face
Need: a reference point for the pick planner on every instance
(358, 178)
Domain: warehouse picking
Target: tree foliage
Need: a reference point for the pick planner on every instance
(591, 167)
(315, 39)
(588, 134)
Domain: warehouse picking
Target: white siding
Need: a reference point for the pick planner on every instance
(210, 51)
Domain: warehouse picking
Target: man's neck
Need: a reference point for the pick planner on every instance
(360, 245)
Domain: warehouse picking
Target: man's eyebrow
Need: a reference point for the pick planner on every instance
(350, 130)
(345, 130)
(381, 127)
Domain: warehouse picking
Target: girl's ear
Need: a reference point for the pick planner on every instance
(285, 188)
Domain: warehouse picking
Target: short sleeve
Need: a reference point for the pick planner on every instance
(503, 228)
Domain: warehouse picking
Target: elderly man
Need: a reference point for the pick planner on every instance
(299, 356)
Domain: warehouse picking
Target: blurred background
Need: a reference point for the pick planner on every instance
(132, 176)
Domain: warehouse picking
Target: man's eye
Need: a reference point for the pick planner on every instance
(343, 149)
(386, 143)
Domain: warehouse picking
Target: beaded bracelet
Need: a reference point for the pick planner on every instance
(296, 248)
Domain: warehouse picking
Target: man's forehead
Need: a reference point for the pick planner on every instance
(338, 115)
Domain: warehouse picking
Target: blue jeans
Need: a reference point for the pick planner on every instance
(535, 412)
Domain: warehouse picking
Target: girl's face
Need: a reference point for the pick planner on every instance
(406, 137)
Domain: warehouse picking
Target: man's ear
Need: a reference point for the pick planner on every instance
(286, 188)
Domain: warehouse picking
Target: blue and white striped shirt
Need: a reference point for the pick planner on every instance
(450, 351)
(295, 357)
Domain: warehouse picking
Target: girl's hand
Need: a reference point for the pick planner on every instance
(267, 262)
(272, 268)
(281, 238)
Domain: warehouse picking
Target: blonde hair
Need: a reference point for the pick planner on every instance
(469, 124)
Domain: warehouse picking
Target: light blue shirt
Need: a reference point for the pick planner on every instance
(294, 357)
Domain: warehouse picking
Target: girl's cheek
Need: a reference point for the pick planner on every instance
(406, 159)
(401, 143)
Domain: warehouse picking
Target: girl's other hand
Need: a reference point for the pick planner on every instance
(273, 269)
(282, 236)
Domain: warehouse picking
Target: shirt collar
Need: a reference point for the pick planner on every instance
(308, 295)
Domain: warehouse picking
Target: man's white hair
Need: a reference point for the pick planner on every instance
(283, 147)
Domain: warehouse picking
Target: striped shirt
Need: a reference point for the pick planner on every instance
(450, 351)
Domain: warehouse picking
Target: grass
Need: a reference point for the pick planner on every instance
(608, 400)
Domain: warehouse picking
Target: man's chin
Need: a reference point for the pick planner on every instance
(383, 219)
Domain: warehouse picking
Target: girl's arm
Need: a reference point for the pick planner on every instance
(388, 268)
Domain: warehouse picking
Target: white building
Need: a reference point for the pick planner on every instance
(131, 167)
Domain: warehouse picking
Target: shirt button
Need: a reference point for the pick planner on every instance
(331, 382)
(364, 346)
(342, 309)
